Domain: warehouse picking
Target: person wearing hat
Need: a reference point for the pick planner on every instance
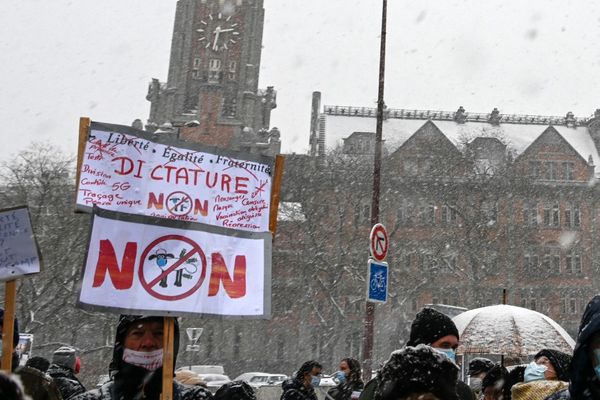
(419, 372)
(432, 328)
(493, 384)
(546, 375)
(37, 384)
(62, 371)
(136, 368)
(235, 390)
(478, 368)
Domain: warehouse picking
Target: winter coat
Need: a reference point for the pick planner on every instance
(463, 390)
(37, 384)
(537, 390)
(130, 382)
(584, 383)
(562, 395)
(180, 392)
(66, 381)
(294, 389)
(343, 391)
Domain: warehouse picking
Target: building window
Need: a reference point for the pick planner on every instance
(427, 214)
(196, 74)
(214, 64)
(535, 168)
(197, 63)
(449, 215)
(568, 171)
(551, 214)
(551, 260)
(530, 213)
(573, 262)
(572, 216)
(232, 66)
(490, 211)
(362, 214)
(530, 262)
(231, 76)
(551, 170)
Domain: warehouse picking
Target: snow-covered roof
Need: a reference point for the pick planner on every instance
(509, 330)
(517, 136)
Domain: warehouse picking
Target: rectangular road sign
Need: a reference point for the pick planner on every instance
(378, 281)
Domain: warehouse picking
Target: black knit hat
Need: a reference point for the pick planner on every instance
(560, 361)
(429, 326)
(65, 356)
(235, 390)
(417, 370)
(495, 376)
(15, 330)
(479, 365)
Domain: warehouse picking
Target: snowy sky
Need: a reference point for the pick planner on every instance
(62, 59)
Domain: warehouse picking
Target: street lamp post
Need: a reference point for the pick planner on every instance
(370, 307)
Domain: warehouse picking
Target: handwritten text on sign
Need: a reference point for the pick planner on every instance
(148, 265)
(18, 250)
(126, 173)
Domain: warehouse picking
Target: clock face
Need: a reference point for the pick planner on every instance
(218, 32)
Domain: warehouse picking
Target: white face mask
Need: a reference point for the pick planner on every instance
(149, 360)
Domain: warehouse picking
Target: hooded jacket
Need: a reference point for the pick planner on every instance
(294, 389)
(66, 381)
(584, 383)
(130, 382)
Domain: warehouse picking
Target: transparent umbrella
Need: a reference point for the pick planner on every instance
(509, 331)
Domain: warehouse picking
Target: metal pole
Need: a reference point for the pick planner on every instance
(370, 308)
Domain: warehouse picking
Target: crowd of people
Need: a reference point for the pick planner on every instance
(425, 369)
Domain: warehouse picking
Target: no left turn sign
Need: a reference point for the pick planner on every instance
(379, 242)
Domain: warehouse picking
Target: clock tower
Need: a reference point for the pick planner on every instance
(211, 95)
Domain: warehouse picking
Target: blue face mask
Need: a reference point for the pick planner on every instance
(316, 381)
(449, 353)
(597, 367)
(534, 372)
(340, 376)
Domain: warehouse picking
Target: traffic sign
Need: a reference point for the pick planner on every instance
(194, 333)
(379, 242)
(378, 281)
(192, 347)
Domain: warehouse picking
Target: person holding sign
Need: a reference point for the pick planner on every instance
(136, 366)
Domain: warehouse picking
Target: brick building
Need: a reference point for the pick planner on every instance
(211, 95)
(478, 203)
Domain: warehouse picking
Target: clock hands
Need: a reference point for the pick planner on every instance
(217, 32)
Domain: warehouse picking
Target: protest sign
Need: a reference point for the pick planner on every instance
(127, 170)
(19, 253)
(139, 264)
(24, 347)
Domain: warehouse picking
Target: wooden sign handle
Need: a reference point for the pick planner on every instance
(276, 192)
(168, 340)
(84, 127)
(8, 324)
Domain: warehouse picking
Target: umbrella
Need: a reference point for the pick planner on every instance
(509, 331)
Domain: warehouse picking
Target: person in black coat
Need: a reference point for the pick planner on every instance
(301, 387)
(136, 367)
(437, 330)
(62, 371)
(584, 371)
(349, 378)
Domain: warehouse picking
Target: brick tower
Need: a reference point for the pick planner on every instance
(211, 95)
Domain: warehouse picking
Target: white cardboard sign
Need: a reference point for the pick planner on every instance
(19, 253)
(138, 264)
(135, 172)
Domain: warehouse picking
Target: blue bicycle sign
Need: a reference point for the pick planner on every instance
(378, 281)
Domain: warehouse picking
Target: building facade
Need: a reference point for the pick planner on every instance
(478, 203)
(211, 95)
